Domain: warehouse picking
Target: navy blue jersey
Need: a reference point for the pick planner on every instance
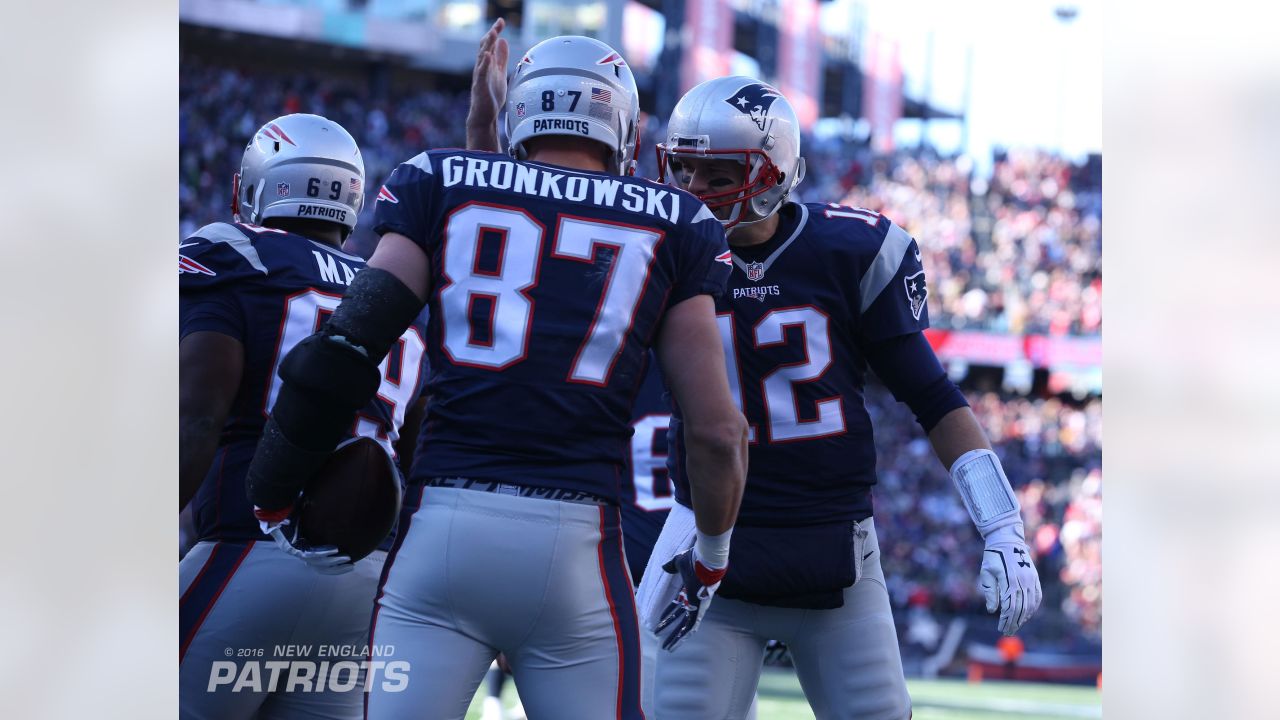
(270, 289)
(799, 310)
(548, 285)
(648, 494)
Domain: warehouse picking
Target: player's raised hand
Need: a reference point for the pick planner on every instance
(698, 585)
(1009, 579)
(488, 89)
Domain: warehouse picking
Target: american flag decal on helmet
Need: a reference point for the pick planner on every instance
(725, 257)
(385, 194)
(356, 186)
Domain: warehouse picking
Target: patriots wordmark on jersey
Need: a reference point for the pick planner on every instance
(270, 289)
(797, 314)
(548, 287)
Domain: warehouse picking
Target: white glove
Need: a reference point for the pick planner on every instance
(323, 559)
(1009, 579)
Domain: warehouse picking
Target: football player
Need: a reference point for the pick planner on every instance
(250, 291)
(548, 276)
(819, 295)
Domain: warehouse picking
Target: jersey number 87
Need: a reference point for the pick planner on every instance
(505, 341)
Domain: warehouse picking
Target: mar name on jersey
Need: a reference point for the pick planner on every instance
(270, 289)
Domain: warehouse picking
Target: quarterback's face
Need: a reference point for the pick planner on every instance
(709, 176)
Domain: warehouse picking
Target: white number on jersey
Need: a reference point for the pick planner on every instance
(511, 317)
(304, 314)
(780, 401)
(649, 469)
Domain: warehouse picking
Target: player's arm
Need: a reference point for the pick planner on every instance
(910, 369)
(715, 437)
(209, 368)
(488, 90)
(715, 433)
(332, 374)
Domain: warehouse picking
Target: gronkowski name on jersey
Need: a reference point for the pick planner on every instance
(548, 285)
(269, 289)
(799, 312)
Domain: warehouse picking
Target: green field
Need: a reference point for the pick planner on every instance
(781, 699)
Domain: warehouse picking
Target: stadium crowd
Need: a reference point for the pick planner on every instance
(1025, 256)
(1020, 255)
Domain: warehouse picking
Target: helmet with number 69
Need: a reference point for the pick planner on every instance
(300, 166)
(579, 87)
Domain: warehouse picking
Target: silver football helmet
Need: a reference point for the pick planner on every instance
(575, 86)
(743, 119)
(302, 166)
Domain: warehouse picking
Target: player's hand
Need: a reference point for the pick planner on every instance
(699, 585)
(323, 559)
(488, 90)
(1009, 579)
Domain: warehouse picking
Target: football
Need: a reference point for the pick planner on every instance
(353, 500)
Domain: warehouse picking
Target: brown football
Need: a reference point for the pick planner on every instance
(353, 500)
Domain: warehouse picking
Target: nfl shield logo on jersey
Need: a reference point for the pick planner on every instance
(917, 292)
(755, 271)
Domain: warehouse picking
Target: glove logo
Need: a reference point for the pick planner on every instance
(754, 100)
(1022, 557)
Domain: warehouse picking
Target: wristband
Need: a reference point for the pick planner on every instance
(713, 550)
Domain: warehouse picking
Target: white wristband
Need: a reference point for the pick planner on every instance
(985, 490)
(713, 550)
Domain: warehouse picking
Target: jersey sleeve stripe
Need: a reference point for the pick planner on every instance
(224, 233)
(422, 162)
(885, 265)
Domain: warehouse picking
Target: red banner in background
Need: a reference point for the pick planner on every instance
(708, 32)
(984, 348)
(800, 58)
(882, 89)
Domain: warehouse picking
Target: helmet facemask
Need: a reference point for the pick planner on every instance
(760, 175)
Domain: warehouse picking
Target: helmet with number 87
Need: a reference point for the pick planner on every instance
(742, 119)
(579, 87)
(300, 166)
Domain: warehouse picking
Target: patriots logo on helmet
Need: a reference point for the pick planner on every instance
(754, 100)
(917, 292)
(755, 271)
